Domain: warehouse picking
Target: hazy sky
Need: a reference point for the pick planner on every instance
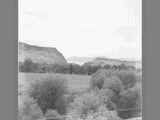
(90, 28)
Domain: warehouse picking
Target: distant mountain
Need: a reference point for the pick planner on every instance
(103, 61)
(79, 60)
(38, 54)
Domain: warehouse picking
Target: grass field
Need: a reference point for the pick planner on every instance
(74, 82)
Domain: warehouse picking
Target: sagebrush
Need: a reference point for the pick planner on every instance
(49, 94)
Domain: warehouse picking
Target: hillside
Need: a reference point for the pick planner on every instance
(104, 61)
(39, 54)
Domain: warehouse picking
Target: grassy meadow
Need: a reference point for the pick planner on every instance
(81, 99)
(74, 82)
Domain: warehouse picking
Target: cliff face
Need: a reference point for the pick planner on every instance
(39, 54)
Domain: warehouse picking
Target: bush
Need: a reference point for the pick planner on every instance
(113, 83)
(106, 96)
(49, 94)
(107, 66)
(126, 90)
(106, 80)
(29, 110)
(98, 78)
(102, 114)
(129, 103)
(75, 69)
(90, 103)
(128, 78)
(85, 103)
(28, 66)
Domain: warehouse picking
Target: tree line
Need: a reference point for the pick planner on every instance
(70, 68)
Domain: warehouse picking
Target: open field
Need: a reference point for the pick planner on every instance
(74, 82)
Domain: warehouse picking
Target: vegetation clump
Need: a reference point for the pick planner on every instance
(49, 94)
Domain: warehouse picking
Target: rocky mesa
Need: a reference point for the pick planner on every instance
(38, 54)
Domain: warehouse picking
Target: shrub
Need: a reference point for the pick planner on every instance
(49, 94)
(29, 110)
(29, 66)
(123, 66)
(129, 103)
(85, 103)
(126, 90)
(106, 80)
(113, 83)
(102, 114)
(89, 69)
(85, 69)
(106, 96)
(75, 69)
(90, 103)
(128, 78)
(107, 66)
(98, 78)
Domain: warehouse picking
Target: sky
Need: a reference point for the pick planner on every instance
(83, 28)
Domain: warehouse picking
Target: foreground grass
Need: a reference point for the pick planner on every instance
(75, 83)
